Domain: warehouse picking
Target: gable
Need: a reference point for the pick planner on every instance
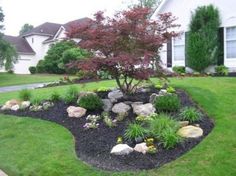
(182, 10)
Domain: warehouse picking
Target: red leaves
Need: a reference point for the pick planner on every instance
(125, 45)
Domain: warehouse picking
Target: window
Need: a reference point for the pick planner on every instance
(231, 43)
(179, 48)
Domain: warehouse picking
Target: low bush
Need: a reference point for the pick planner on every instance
(161, 122)
(190, 114)
(167, 103)
(25, 95)
(222, 70)
(170, 89)
(32, 70)
(71, 94)
(90, 102)
(36, 101)
(135, 131)
(55, 96)
(169, 138)
(179, 69)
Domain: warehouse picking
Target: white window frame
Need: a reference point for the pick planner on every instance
(225, 44)
(178, 62)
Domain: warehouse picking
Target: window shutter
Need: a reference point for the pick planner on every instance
(186, 47)
(220, 60)
(169, 53)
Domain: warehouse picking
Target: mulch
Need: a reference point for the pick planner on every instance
(94, 145)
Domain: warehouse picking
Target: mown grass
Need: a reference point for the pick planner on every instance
(35, 147)
(7, 79)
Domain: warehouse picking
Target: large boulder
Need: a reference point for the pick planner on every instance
(76, 112)
(141, 148)
(107, 105)
(9, 104)
(120, 108)
(15, 107)
(121, 149)
(115, 95)
(190, 132)
(144, 109)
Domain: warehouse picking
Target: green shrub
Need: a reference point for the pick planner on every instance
(90, 102)
(71, 94)
(169, 138)
(179, 69)
(36, 101)
(25, 95)
(190, 114)
(222, 70)
(167, 103)
(134, 131)
(55, 96)
(160, 123)
(203, 39)
(32, 70)
(170, 89)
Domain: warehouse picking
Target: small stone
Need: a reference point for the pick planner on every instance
(190, 132)
(115, 94)
(15, 108)
(121, 149)
(107, 105)
(2, 173)
(25, 104)
(36, 108)
(47, 105)
(144, 109)
(153, 98)
(76, 112)
(196, 125)
(120, 108)
(163, 92)
(183, 123)
(141, 148)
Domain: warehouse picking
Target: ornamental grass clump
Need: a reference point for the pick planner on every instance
(71, 94)
(167, 103)
(25, 95)
(135, 131)
(91, 102)
(55, 96)
(190, 114)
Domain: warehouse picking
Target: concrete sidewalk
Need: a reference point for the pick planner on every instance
(21, 87)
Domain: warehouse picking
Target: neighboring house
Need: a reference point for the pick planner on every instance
(32, 46)
(173, 53)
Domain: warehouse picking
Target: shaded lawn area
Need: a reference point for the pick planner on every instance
(35, 147)
(7, 79)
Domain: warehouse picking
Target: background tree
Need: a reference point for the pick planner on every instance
(25, 28)
(203, 40)
(126, 46)
(8, 54)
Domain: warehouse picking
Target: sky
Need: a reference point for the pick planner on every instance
(36, 12)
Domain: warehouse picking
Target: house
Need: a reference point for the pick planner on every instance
(173, 53)
(32, 46)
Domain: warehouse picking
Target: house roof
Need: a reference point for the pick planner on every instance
(48, 29)
(81, 21)
(20, 44)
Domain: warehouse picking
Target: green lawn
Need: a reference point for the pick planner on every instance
(35, 147)
(7, 79)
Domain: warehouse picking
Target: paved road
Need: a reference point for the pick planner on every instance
(21, 87)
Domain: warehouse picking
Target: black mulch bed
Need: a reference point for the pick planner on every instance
(93, 146)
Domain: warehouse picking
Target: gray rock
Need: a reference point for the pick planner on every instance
(134, 104)
(183, 123)
(120, 108)
(153, 98)
(121, 149)
(47, 105)
(107, 105)
(76, 112)
(25, 104)
(15, 108)
(144, 109)
(116, 94)
(36, 108)
(190, 132)
(163, 92)
(141, 148)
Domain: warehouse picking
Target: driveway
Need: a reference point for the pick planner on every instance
(21, 87)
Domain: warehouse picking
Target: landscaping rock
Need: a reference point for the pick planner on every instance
(121, 149)
(8, 105)
(141, 148)
(163, 92)
(2, 173)
(76, 112)
(115, 95)
(153, 98)
(190, 132)
(144, 109)
(183, 123)
(36, 108)
(120, 108)
(136, 104)
(15, 108)
(25, 104)
(107, 105)
(47, 105)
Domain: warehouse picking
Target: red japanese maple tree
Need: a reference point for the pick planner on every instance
(126, 46)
